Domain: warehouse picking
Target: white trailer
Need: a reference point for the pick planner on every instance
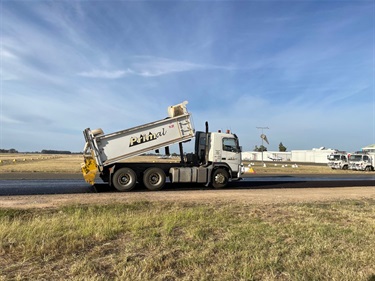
(362, 161)
(216, 159)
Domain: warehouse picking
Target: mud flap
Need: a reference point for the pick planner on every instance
(89, 170)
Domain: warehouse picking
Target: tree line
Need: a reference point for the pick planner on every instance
(44, 151)
(12, 150)
(261, 148)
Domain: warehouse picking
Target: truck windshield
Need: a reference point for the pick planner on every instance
(230, 144)
(355, 158)
(334, 157)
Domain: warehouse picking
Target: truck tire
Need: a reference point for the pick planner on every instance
(124, 179)
(154, 179)
(220, 178)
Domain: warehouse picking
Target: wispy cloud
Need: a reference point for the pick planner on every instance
(146, 66)
(9, 120)
(106, 74)
(6, 54)
(154, 66)
(7, 57)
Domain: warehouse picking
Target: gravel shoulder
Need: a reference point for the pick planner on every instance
(248, 196)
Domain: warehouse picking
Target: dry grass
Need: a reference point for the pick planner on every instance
(290, 168)
(39, 163)
(47, 163)
(174, 241)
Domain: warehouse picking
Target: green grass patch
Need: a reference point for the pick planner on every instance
(166, 241)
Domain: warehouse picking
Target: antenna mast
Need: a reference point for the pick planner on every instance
(264, 138)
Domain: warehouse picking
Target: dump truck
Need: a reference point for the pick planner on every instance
(362, 161)
(338, 160)
(216, 159)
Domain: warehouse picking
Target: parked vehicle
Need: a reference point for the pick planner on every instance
(215, 161)
(275, 157)
(338, 160)
(362, 161)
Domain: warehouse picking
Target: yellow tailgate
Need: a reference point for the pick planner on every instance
(89, 169)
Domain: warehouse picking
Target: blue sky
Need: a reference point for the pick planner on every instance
(305, 69)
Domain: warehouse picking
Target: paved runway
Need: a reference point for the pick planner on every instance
(72, 186)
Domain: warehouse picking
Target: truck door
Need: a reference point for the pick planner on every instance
(231, 153)
(200, 146)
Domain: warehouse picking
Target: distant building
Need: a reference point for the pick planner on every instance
(369, 148)
(316, 155)
(267, 156)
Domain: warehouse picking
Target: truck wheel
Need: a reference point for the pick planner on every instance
(368, 168)
(154, 179)
(345, 167)
(220, 178)
(124, 179)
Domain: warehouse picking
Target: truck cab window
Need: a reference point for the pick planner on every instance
(230, 145)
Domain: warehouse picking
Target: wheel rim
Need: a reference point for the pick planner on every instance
(154, 179)
(220, 178)
(124, 180)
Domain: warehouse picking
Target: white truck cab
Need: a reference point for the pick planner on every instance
(338, 160)
(362, 161)
(225, 148)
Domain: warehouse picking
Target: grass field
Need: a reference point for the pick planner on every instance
(171, 241)
(39, 163)
(186, 241)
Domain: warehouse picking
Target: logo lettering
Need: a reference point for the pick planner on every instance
(146, 137)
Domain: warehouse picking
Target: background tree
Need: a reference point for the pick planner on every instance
(282, 148)
(260, 148)
(12, 150)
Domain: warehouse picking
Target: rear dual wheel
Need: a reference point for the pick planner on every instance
(124, 179)
(154, 179)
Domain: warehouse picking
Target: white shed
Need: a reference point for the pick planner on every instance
(316, 155)
(267, 156)
(369, 148)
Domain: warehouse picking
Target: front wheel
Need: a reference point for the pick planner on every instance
(124, 179)
(220, 178)
(154, 179)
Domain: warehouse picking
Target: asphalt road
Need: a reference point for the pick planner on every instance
(74, 186)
